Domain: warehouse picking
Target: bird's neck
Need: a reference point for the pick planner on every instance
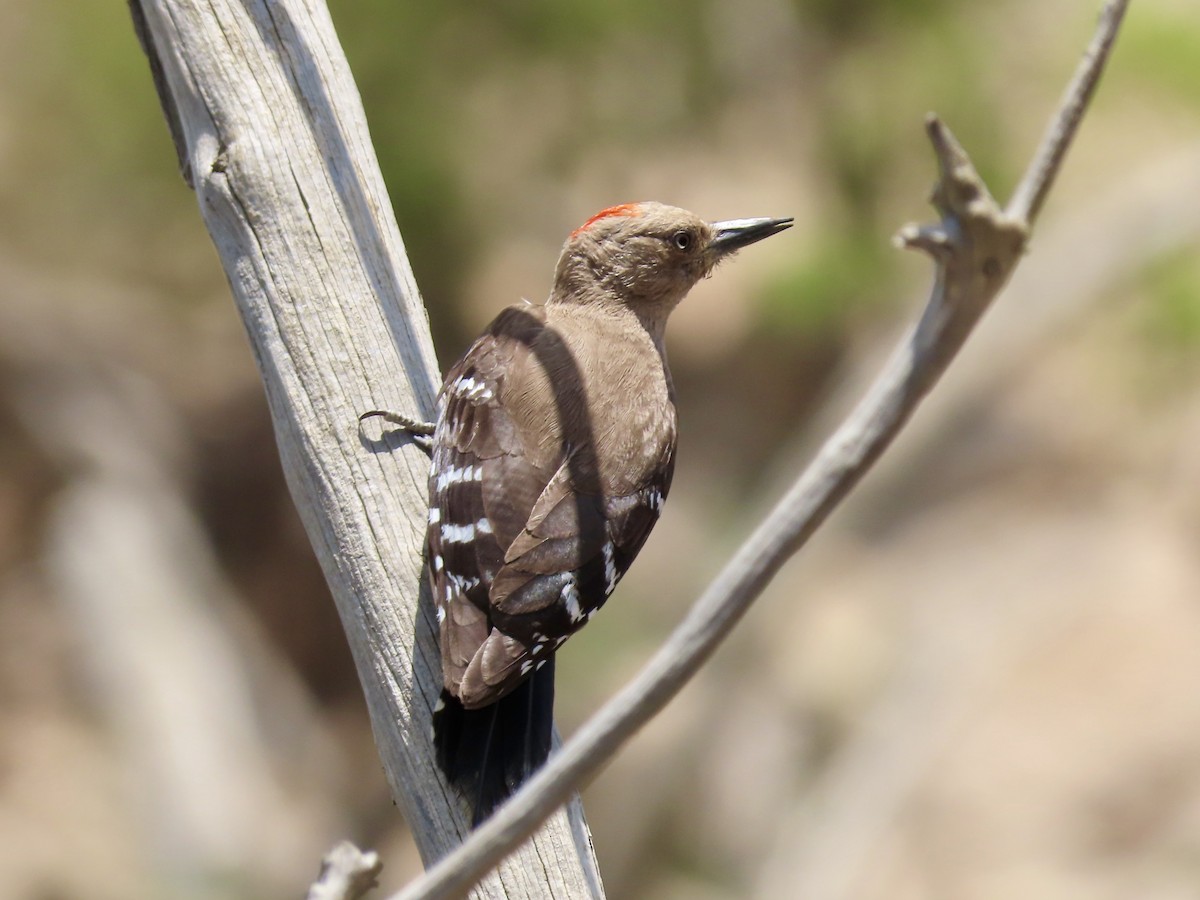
(649, 316)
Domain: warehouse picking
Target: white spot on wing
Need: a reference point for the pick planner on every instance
(457, 534)
(610, 568)
(458, 475)
(484, 526)
(459, 584)
(441, 614)
(570, 599)
(435, 515)
(471, 388)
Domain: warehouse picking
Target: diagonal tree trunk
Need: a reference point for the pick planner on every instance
(271, 136)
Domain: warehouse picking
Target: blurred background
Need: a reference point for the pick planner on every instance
(980, 679)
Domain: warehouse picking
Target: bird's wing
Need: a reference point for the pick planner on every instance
(521, 554)
(478, 498)
(559, 570)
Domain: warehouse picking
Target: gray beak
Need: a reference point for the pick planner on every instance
(738, 233)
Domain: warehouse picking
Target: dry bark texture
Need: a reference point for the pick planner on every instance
(273, 139)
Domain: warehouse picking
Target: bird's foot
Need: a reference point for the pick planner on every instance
(420, 432)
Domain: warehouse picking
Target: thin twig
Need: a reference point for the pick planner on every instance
(347, 873)
(976, 246)
(1031, 193)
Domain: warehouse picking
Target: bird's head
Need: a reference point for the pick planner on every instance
(647, 255)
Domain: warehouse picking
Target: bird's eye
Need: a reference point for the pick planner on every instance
(682, 240)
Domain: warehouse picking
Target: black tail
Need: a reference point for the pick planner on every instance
(488, 753)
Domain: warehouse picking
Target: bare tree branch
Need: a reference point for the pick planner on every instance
(975, 247)
(347, 873)
(1029, 196)
(270, 128)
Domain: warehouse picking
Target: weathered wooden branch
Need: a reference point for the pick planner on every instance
(975, 246)
(347, 873)
(271, 135)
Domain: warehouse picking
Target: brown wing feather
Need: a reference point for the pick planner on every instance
(520, 554)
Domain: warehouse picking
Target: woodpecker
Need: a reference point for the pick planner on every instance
(552, 456)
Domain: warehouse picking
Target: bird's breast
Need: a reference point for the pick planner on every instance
(598, 389)
(635, 434)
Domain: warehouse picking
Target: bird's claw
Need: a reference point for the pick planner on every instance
(420, 432)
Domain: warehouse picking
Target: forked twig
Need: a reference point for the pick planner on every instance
(347, 873)
(976, 246)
